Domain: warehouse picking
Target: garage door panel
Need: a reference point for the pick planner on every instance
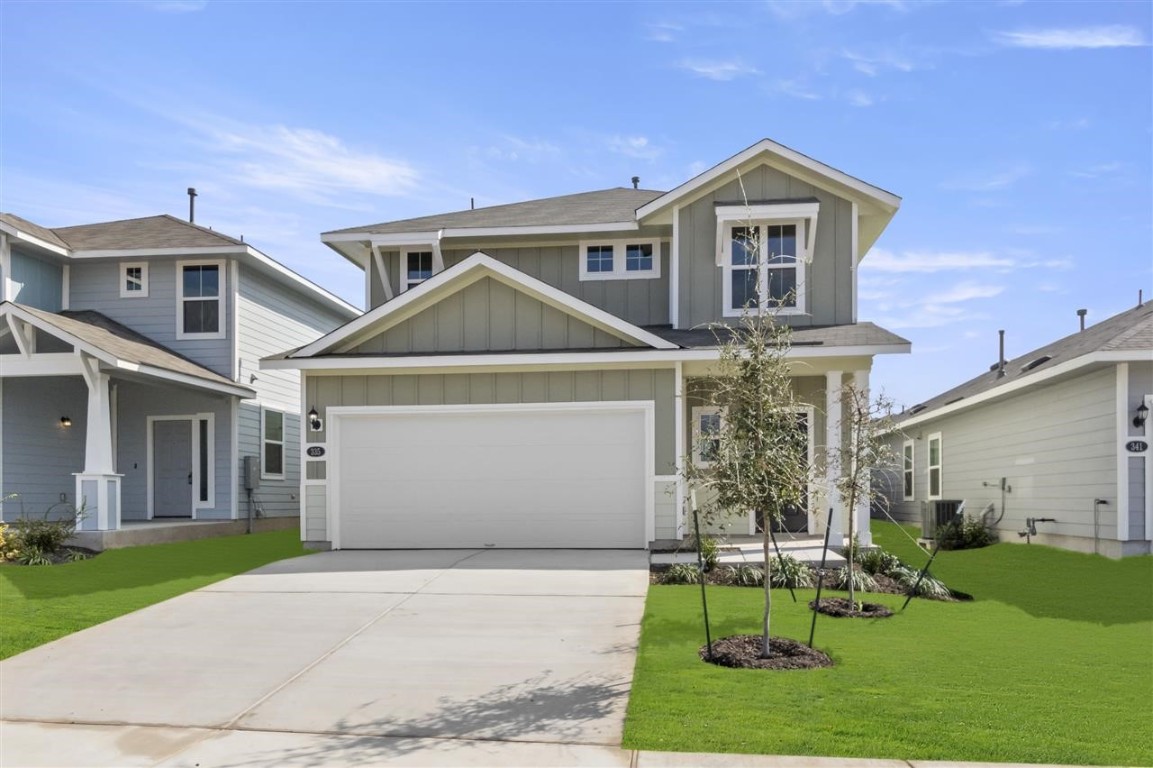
(571, 478)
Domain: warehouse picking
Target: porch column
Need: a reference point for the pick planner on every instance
(833, 457)
(864, 534)
(98, 486)
(679, 435)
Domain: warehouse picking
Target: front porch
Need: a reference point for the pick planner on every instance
(143, 532)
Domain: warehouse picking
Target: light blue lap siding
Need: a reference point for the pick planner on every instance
(40, 455)
(274, 497)
(38, 282)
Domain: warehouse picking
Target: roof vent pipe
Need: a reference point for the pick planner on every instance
(1001, 355)
(192, 205)
(636, 182)
(1081, 314)
(1140, 297)
(472, 203)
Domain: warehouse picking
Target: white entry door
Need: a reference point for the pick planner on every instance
(549, 476)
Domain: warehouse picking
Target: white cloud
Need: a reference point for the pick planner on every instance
(1072, 124)
(514, 148)
(989, 181)
(872, 65)
(1110, 36)
(881, 260)
(1097, 171)
(797, 89)
(637, 147)
(719, 70)
(859, 98)
(664, 32)
(791, 9)
(966, 291)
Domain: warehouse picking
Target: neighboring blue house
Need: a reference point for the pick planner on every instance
(129, 377)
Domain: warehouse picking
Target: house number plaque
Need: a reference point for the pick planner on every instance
(316, 451)
(1136, 446)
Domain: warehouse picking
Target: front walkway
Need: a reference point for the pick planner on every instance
(748, 549)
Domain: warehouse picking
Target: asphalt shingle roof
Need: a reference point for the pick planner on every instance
(1131, 330)
(162, 231)
(606, 206)
(43, 233)
(122, 342)
(855, 335)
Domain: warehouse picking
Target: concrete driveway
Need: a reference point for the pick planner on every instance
(409, 657)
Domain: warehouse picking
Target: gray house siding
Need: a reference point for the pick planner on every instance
(828, 284)
(135, 402)
(95, 285)
(640, 302)
(38, 454)
(275, 497)
(38, 282)
(1055, 445)
(488, 316)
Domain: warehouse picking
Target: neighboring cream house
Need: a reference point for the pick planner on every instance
(529, 375)
(129, 379)
(1061, 432)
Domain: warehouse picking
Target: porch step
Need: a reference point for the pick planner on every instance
(137, 534)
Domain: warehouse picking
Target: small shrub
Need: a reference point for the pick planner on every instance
(878, 561)
(964, 533)
(33, 556)
(853, 551)
(746, 575)
(862, 582)
(929, 587)
(681, 573)
(43, 534)
(709, 549)
(9, 544)
(789, 572)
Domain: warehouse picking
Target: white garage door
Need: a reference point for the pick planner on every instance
(515, 476)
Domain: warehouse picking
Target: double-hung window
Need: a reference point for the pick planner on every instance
(417, 268)
(763, 251)
(935, 464)
(272, 444)
(620, 259)
(134, 280)
(706, 434)
(908, 471)
(200, 300)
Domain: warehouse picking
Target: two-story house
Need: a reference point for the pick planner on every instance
(129, 374)
(530, 375)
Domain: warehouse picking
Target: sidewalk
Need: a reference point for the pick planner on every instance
(746, 550)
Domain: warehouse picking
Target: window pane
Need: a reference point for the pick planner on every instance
(203, 490)
(639, 257)
(192, 281)
(273, 459)
(908, 457)
(202, 316)
(273, 426)
(908, 484)
(744, 287)
(934, 482)
(744, 245)
(599, 258)
(935, 452)
(202, 281)
(419, 266)
(782, 244)
(783, 287)
(133, 279)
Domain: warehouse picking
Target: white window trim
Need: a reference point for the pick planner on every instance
(909, 469)
(620, 268)
(939, 466)
(698, 412)
(222, 297)
(405, 283)
(762, 268)
(143, 292)
(265, 475)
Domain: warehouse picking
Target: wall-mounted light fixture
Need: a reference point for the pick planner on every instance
(314, 422)
(1142, 415)
(65, 421)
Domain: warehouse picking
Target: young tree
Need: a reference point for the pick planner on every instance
(758, 458)
(867, 423)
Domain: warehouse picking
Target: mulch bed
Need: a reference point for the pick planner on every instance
(841, 607)
(744, 652)
(65, 555)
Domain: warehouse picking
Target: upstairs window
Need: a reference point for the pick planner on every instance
(200, 290)
(620, 259)
(764, 268)
(935, 464)
(418, 268)
(133, 280)
(908, 471)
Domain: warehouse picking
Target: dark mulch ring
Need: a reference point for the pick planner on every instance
(840, 606)
(744, 652)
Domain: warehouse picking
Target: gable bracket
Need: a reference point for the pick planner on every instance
(24, 335)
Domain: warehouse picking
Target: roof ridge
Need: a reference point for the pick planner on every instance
(161, 216)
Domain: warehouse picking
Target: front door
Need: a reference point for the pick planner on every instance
(172, 468)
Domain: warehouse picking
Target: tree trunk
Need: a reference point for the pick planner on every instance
(849, 559)
(765, 651)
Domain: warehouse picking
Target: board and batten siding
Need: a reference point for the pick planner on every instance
(1056, 445)
(828, 283)
(643, 301)
(488, 316)
(324, 391)
(38, 282)
(95, 285)
(38, 455)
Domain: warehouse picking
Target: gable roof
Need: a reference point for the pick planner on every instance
(149, 232)
(606, 206)
(121, 347)
(23, 226)
(458, 276)
(1125, 336)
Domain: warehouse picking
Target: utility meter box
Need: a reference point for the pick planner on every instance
(251, 473)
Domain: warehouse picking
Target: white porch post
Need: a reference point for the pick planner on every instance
(864, 534)
(98, 486)
(833, 456)
(679, 434)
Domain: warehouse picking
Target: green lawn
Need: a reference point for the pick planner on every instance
(1052, 662)
(42, 603)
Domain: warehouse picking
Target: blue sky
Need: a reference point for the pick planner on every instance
(1018, 133)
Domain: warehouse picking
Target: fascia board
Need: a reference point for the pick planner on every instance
(299, 281)
(80, 346)
(32, 239)
(125, 253)
(557, 229)
(1057, 371)
(885, 200)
